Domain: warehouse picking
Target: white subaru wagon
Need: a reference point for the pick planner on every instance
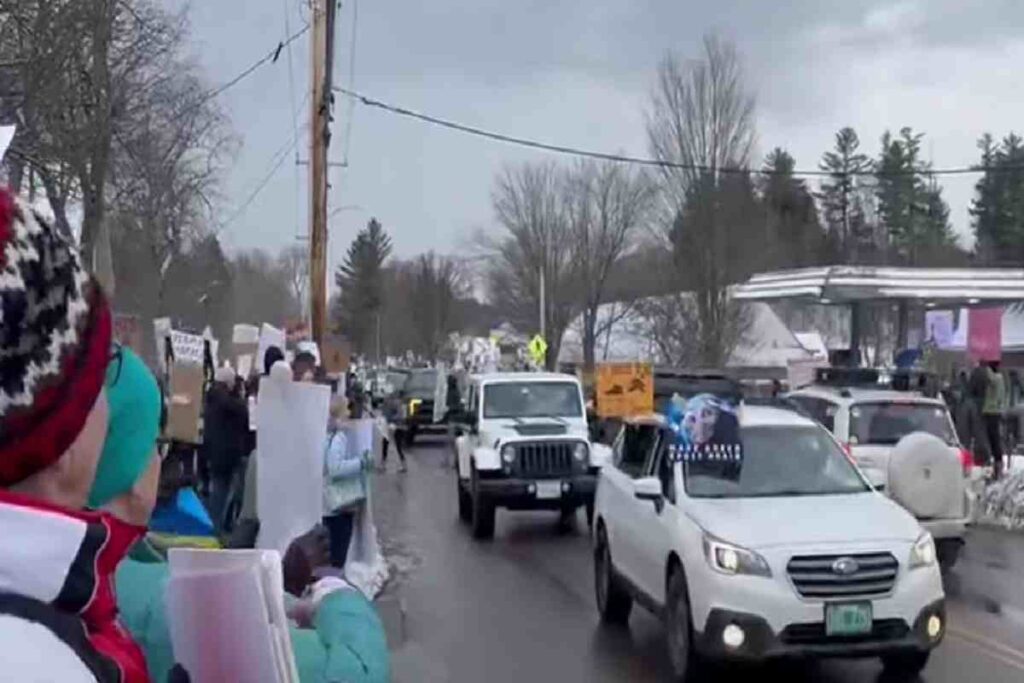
(783, 551)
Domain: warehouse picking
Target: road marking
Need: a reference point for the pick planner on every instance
(1004, 653)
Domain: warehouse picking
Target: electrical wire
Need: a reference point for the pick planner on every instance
(278, 158)
(625, 158)
(351, 78)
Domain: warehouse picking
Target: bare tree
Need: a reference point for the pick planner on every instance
(294, 261)
(701, 120)
(606, 206)
(529, 203)
(437, 285)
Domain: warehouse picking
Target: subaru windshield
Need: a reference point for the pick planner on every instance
(777, 461)
(532, 399)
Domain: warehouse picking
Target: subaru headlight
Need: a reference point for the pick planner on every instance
(580, 452)
(508, 454)
(922, 553)
(727, 558)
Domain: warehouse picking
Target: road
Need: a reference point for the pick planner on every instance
(521, 608)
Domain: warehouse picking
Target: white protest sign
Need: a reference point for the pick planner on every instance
(269, 336)
(226, 615)
(291, 435)
(6, 135)
(365, 566)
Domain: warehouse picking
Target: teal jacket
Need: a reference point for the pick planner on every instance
(346, 645)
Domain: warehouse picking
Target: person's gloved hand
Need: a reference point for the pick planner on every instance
(304, 555)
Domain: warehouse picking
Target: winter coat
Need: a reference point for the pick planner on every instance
(225, 429)
(347, 641)
(344, 476)
(58, 615)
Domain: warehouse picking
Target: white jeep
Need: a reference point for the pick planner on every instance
(522, 444)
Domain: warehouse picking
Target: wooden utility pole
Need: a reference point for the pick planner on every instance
(322, 12)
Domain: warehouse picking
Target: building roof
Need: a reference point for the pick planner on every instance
(845, 284)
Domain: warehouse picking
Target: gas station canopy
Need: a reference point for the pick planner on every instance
(931, 287)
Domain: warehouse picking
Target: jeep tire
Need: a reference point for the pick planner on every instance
(613, 602)
(482, 510)
(465, 501)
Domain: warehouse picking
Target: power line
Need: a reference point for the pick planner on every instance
(625, 158)
(351, 77)
(277, 160)
(269, 57)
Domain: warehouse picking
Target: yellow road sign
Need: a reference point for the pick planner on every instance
(538, 349)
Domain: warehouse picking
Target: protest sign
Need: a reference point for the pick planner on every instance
(985, 334)
(269, 336)
(624, 389)
(185, 400)
(227, 617)
(291, 433)
(364, 565)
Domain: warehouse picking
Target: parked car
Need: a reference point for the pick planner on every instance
(784, 550)
(910, 442)
(522, 444)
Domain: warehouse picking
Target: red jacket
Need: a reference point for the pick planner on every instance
(57, 570)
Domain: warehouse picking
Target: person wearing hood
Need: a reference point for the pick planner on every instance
(225, 431)
(58, 616)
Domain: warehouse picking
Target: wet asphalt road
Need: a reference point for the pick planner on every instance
(521, 608)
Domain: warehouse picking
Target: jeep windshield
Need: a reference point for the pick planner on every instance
(884, 423)
(421, 384)
(777, 461)
(532, 399)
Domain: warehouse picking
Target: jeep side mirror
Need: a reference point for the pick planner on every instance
(649, 488)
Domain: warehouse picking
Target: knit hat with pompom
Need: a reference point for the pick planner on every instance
(55, 334)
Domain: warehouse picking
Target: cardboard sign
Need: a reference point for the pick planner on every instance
(624, 389)
(185, 401)
(335, 357)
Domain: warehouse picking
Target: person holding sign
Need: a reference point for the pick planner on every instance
(344, 484)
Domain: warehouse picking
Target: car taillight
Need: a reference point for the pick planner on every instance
(966, 461)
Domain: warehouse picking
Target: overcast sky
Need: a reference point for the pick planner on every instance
(578, 72)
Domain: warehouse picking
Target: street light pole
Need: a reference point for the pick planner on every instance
(543, 307)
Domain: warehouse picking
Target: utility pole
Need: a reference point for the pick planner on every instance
(543, 308)
(322, 48)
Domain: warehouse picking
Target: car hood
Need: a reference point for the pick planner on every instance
(533, 429)
(804, 520)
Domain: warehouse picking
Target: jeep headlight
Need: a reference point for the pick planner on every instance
(922, 553)
(580, 452)
(508, 454)
(727, 558)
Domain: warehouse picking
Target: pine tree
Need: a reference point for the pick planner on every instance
(791, 217)
(912, 211)
(361, 284)
(998, 207)
(843, 196)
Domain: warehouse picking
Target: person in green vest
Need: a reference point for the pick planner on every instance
(343, 640)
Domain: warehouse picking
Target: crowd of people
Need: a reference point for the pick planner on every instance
(986, 410)
(81, 591)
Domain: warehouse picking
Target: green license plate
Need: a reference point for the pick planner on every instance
(848, 619)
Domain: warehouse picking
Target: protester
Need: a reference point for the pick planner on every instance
(304, 367)
(393, 415)
(992, 411)
(225, 432)
(58, 619)
(344, 484)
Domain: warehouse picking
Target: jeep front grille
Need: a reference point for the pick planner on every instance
(822, 576)
(543, 460)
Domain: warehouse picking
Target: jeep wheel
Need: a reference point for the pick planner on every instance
(678, 628)
(613, 602)
(465, 502)
(483, 511)
(905, 666)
